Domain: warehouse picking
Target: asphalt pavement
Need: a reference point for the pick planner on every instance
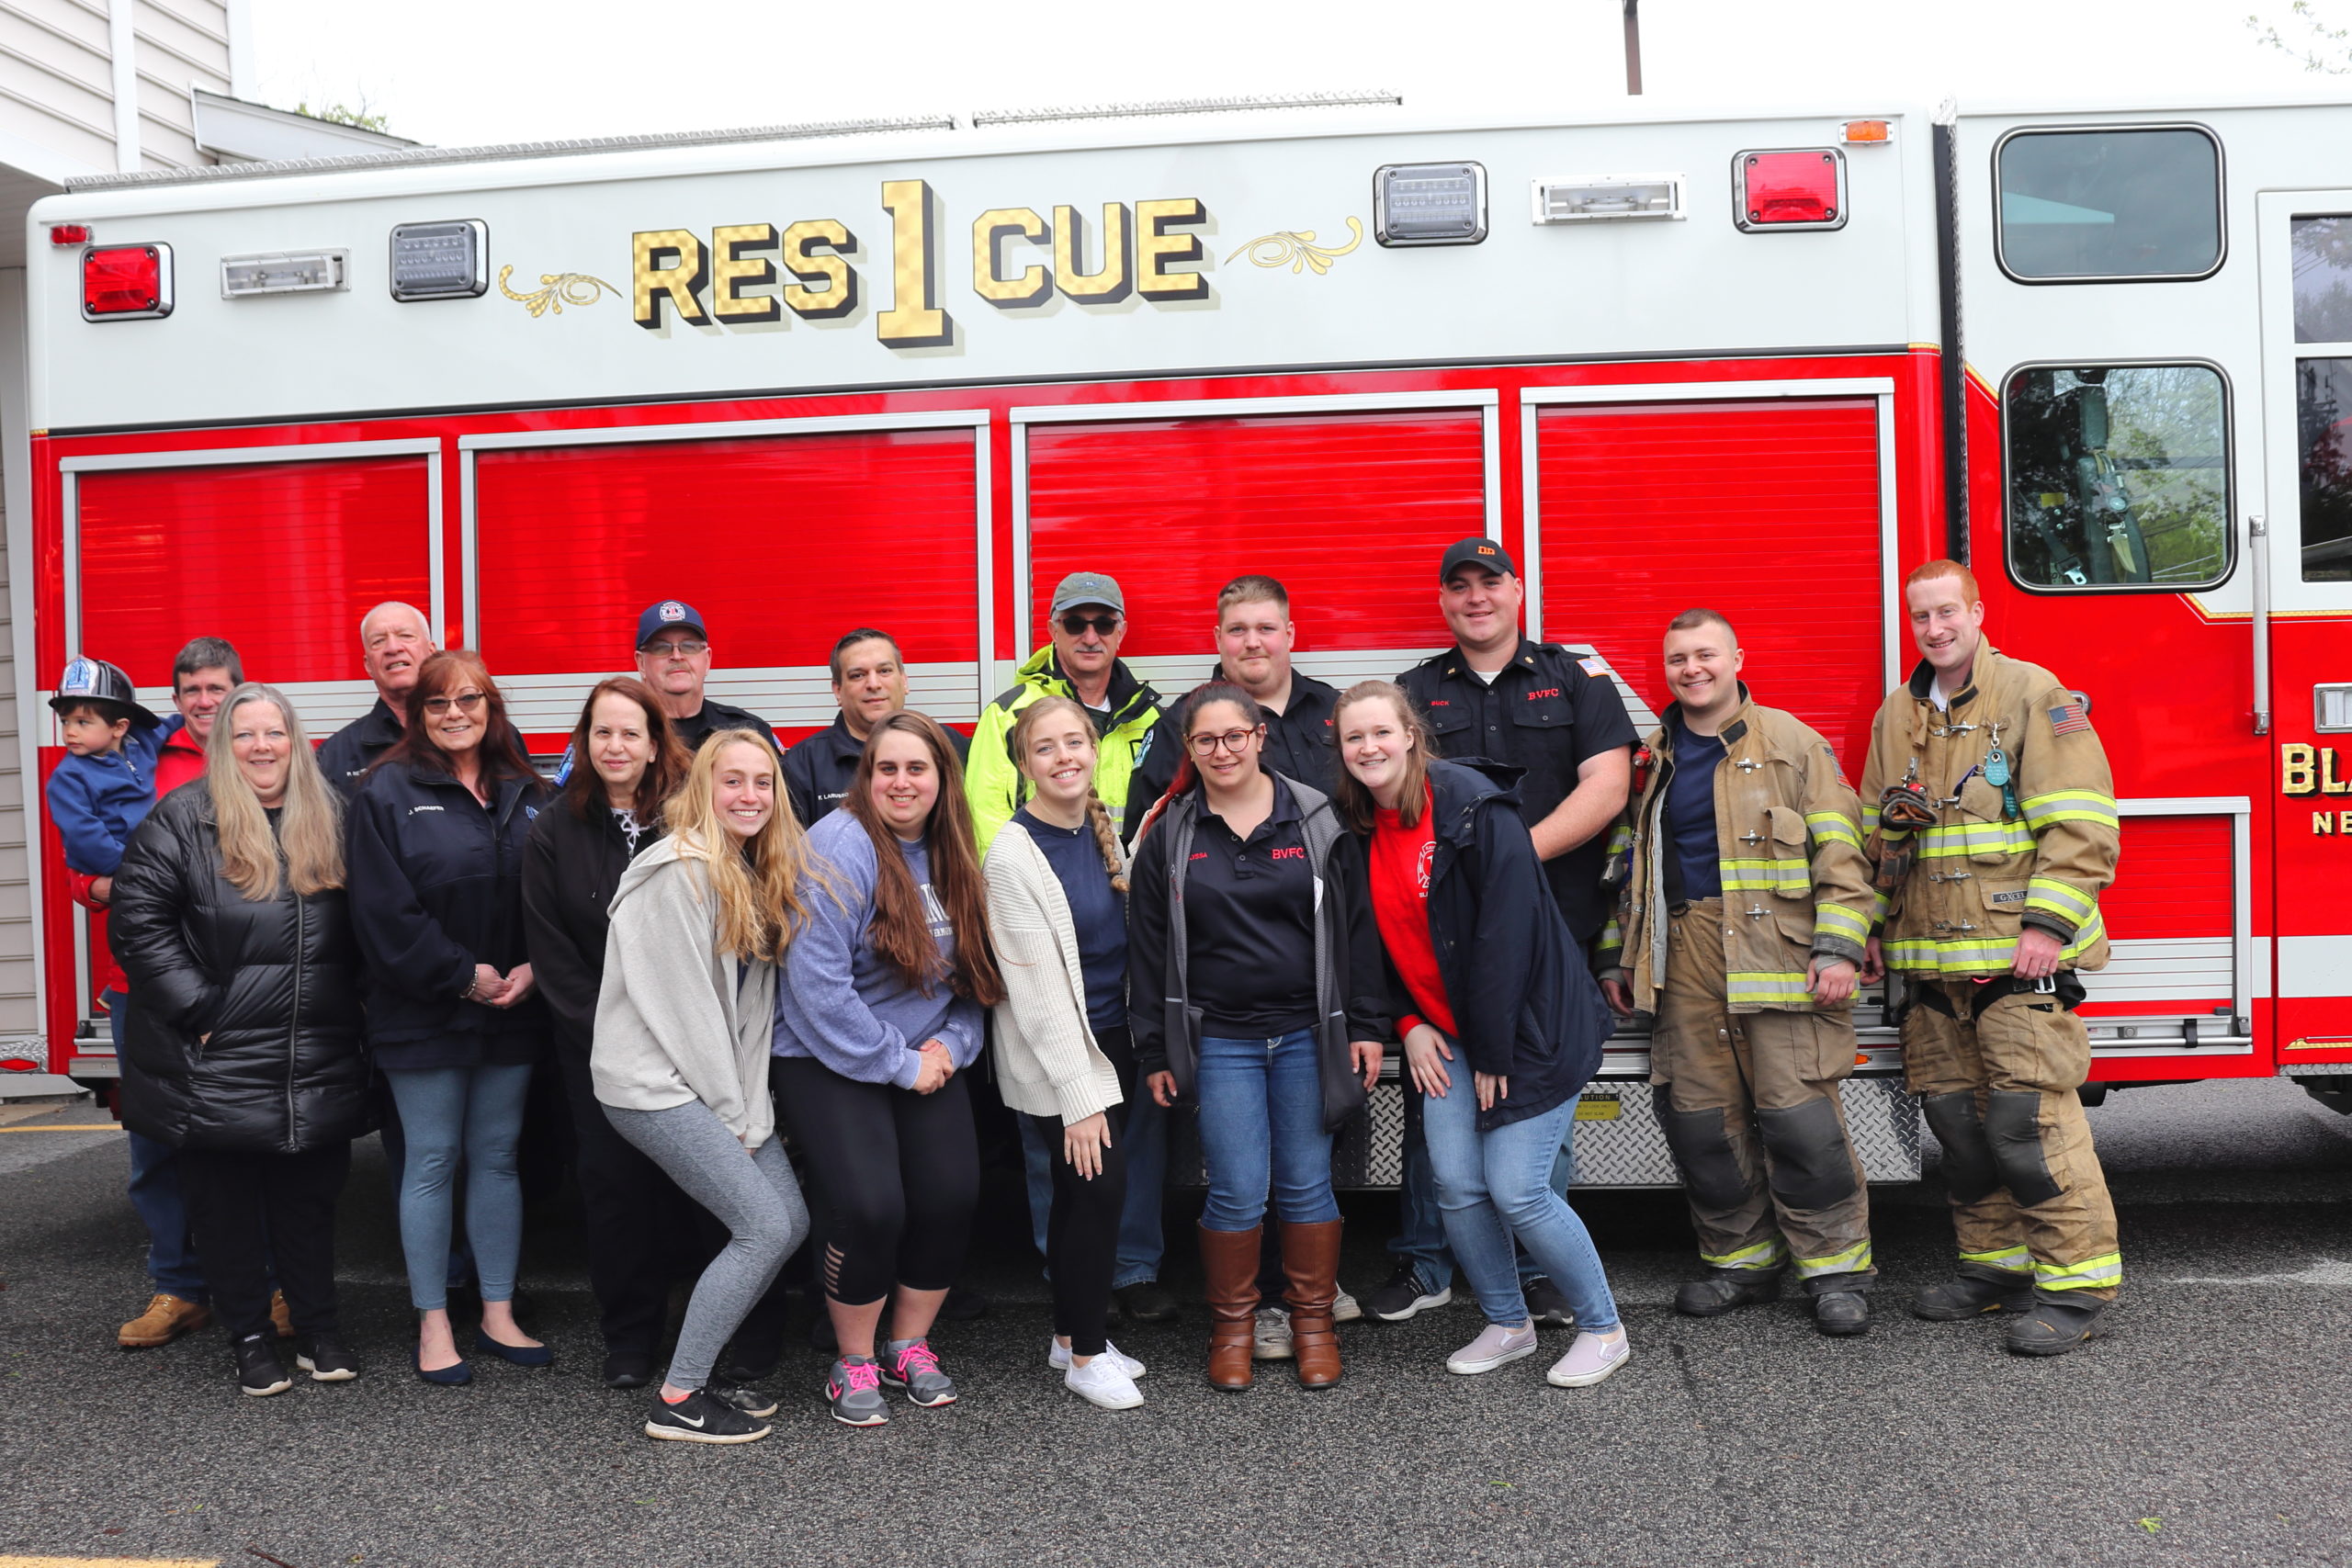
(2208, 1425)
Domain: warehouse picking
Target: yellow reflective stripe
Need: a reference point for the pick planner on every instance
(2091, 1274)
(1763, 1255)
(2008, 1260)
(1768, 991)
(2089, 932)
(1836, 920)
(1853, 1260)
(2045, 893)
(1831, 827)
(1870, 815)
(1969, 956)
(1879, 905)
(1621, 837)
(1972, 837)
(2070, 806)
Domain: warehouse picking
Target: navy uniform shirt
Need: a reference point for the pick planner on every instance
(1249, 925)
(1690, 814)
(819, 769)
(1547, 713)
(1299, 745)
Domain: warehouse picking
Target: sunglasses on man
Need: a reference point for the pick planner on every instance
(1076, 623)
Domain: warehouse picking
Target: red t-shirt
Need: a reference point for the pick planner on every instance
(1401, 861)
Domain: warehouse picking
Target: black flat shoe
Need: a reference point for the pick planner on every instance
(521, 1355)
(444, 1377)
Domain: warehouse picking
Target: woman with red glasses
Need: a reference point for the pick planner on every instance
(453, 1019)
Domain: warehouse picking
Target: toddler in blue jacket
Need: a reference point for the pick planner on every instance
(106, 785)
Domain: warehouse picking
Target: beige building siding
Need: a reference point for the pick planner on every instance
(181, 45)
(57, 78)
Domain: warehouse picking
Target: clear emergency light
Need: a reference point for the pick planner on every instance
(1799, 189)
(2332, 709)
(122, 283)
(1609, 197)
(1429, 204)
(284, 272)
(440, 261)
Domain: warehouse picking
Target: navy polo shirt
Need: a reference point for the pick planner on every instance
(1250, 924)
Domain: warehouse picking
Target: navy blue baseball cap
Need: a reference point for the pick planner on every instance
(671, 614)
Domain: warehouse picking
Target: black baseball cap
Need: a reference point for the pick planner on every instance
(671, 614)
(1476, 552)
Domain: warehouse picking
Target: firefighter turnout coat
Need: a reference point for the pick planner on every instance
(1790, 850)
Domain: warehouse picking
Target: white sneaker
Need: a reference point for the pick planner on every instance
(1345, 1308)
(1495, 1347)
(1270, 1340)
(1102, 1382)
(1058, 1357)
(1592, 1357)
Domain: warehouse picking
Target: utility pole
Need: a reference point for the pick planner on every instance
(1633, 48)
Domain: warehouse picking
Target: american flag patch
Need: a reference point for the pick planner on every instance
(1594, 666)
(2072, 720)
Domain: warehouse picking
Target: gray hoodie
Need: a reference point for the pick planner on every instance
(674, 1025)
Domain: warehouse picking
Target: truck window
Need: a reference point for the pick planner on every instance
(2088, 206)
(2323, 266)
(2323, 420)
(2118, 477)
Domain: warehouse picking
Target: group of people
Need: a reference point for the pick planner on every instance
(1238, 902)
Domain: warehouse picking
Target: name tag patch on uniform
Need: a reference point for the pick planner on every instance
(2016, 896)
(1594, 666)
(2071, 719)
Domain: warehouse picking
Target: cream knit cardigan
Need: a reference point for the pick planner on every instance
(1047, 1062)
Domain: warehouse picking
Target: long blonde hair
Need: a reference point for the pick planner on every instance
(309, 841)
(758, 889)
(1354, 802)
(1098, 816)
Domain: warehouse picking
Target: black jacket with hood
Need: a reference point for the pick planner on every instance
(275, 985)
(572, 866)
(1524, 1004)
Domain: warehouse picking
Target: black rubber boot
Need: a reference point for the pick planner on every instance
(1841, 1313)
(1727, 1290)
(1965, 1296)
(2050, 1329)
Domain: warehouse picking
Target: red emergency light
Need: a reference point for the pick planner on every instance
(69, 234)
(126, 282)
(1800, 189)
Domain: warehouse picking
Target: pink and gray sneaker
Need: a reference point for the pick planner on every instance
(854, 1392)
(910, 1364)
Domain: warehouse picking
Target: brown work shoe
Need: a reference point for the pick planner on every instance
(167, 1318)
(281, 1316)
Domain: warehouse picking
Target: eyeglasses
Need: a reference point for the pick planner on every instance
(466, 702)
(1103, 625)
(682, 648)
(1232, 740)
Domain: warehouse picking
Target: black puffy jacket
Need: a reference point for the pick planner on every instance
(436, 887)
(276, 986)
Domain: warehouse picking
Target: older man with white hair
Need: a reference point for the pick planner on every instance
(394, 642)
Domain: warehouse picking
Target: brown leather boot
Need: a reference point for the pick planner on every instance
(1311, 1263)
(167, 1318)
(1230, 1260)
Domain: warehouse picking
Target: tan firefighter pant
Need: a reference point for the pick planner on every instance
(1749, 1105)
(2029, 1199)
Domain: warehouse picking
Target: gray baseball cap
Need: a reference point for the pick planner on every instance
(1088, 587)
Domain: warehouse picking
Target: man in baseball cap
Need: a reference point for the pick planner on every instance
(674, 658)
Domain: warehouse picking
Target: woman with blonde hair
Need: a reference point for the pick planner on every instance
(1058, 914)
(681, 1049)
(243, 1021)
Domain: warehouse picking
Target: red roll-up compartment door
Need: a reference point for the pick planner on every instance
(280, 558)
(1349, 510)
(1766, 511)
(2171, 921)
(781, 543)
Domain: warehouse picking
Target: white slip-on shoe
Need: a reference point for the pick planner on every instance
(1102, 1382)
(1495, 1347)
(1058, 1357)
(1592, 1357)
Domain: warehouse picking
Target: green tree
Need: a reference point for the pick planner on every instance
(344, 113)
(2307, 40)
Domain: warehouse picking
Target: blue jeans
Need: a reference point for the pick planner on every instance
(395, 1141)
(468, 1118)
(155, 1192)
(1495, 1186)
(1420, 1233)
(1261, 1131)
(1143, 1138)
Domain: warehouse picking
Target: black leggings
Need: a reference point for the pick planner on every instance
(899, 1174)
(1083, 1230)
(249, 1210)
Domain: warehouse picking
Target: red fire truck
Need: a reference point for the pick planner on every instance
(909, 373)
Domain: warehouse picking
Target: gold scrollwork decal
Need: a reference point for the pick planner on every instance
(557, 289)
(1298, 250)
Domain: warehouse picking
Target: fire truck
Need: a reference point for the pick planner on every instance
(908, 374)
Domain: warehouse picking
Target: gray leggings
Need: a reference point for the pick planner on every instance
(753, 1195)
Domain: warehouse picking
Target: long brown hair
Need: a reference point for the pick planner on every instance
(307, 848)
(1348, 793)
(757, 886)
(901, 926)
(1179, 724)
(665, 771)
(1098, 816)
(502, 751)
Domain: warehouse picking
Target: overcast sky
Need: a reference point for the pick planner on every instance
(490, 72)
